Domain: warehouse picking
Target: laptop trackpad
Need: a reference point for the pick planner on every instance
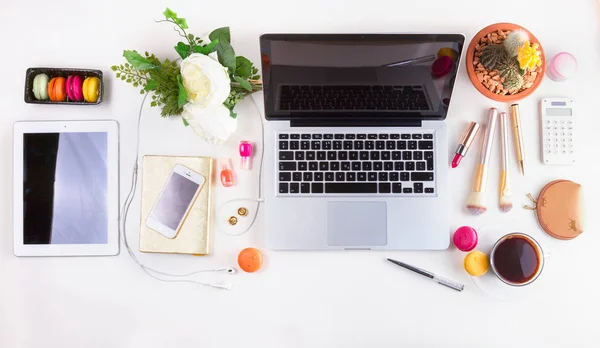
(356, 223)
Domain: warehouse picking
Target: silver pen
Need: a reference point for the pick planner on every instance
(435, 278)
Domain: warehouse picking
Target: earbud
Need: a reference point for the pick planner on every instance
(231, 270)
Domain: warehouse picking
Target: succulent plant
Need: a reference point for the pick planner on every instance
(513, 81)
(492, 55)
(515, 40)
(509, 66)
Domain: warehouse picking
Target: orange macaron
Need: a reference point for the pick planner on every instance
(250, 260)
(57, 89)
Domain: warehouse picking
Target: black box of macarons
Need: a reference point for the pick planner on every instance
(63, 86)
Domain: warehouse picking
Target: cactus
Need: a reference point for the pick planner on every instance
(514, 41)
(513, 81)
(509, 66)
(492, 55)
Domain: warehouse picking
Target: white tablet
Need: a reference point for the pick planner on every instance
(66, 185)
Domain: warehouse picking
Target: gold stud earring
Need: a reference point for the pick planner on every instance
(242, 211)
(232, 220)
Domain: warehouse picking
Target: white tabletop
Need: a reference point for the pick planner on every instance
(299, 299)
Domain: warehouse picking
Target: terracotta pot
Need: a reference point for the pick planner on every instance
(471, 68)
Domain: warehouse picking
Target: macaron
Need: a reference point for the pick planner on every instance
(75, 87)
(91, 89)
(476, 263)
(465, 238)
(250, 260)
(56, 89)
(40, 86)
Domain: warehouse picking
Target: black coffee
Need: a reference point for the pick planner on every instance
(516, 259)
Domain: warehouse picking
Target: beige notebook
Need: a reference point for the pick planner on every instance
(194, 234)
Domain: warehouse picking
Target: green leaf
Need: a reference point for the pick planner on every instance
(255, 77)
(181, 22)
(221, 34)
(232, 114)
(153, 104)
(135, 84)
(151, 85)
(182, 49)
(118, 75)
(185, 123)
(137, 61)
(170, 14)
(243, 67)
(113, 68)
(182, 99)
(226, 56)
(206, 49)
(142, 91)
(224, 50)
(244, 83)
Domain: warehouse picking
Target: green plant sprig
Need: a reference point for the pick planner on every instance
(164, 80)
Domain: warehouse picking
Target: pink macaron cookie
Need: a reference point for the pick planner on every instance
(75, 87)
(465, 238)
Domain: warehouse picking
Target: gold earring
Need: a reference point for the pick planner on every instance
(232, 220)
(242, 211)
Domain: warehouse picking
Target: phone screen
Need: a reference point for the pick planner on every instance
(174, 201)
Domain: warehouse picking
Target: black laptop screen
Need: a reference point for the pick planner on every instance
(349, 75)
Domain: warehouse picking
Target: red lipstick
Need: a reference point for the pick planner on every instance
(465, 143)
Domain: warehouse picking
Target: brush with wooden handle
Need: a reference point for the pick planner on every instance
(476, 202)
(505, 193)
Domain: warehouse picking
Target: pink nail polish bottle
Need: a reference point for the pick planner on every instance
(246, 153)
(226, 174)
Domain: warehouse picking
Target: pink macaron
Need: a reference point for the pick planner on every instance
(75, 88)
(465, 238)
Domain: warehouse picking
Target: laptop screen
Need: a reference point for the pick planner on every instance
(351, 75)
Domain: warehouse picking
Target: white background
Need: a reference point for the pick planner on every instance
(299, 299)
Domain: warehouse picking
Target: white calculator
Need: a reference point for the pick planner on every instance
(558, 123)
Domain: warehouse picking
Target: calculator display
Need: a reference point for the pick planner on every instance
(559, 112)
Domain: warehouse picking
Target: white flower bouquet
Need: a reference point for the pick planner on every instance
(204, 88)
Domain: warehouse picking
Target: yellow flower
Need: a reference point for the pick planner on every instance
(529, 56)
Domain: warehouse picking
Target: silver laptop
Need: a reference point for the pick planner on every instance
(356, 152)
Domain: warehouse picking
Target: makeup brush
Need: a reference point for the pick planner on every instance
(505, 200)
(476, 201)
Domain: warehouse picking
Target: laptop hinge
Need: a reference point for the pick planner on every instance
(355, 122)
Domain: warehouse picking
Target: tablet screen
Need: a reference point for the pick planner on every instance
(65, 187)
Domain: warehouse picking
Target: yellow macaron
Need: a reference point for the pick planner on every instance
(91, 89)
(476, 263)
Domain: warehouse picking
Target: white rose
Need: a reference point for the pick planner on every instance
(205, 80)
(215, 125)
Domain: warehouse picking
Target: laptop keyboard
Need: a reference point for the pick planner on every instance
(305, 97)
(356, 163)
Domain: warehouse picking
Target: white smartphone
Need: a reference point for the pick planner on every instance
(175, 201)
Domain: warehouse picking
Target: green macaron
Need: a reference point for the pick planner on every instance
(40, 86)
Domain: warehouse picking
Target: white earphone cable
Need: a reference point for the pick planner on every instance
(123, 225)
